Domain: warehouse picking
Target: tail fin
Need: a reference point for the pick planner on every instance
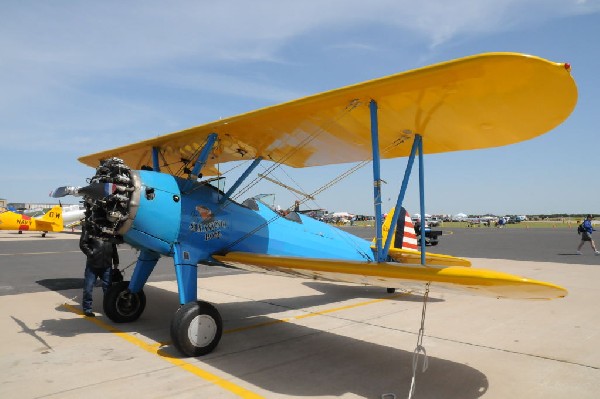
(404, 236)
(54, 217)
(404, 247)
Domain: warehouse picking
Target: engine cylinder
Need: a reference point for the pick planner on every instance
(111, 200)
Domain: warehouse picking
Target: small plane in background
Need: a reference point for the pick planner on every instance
(150, 194)
(51, 221)
(72, 215)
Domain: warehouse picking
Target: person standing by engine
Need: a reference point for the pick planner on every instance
(586, 235)
(101, 256)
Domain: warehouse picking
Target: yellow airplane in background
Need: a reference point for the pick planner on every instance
(51, 221)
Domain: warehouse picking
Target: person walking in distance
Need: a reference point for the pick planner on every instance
(586, 235)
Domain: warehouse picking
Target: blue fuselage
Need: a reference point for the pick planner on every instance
(202, 222)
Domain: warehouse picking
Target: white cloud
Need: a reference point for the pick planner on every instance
(45, 44)
(120, 35)
(51, 52)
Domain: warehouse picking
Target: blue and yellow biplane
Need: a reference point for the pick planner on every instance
(151, 194)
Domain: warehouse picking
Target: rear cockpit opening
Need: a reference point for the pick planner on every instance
(252, 203)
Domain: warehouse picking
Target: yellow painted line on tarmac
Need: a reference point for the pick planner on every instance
(155, 349)
(312, 314)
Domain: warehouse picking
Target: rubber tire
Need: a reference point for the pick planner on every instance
(196, 312)
(115, 307)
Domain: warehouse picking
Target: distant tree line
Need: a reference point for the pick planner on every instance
(561, 215)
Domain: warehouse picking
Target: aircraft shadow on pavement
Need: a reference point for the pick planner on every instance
(330, 364)
(61, 284)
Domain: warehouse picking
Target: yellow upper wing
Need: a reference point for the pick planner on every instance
(481, 101)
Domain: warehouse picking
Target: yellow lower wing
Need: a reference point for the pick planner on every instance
(475, 281)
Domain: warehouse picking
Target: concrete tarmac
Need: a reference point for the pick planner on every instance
(293, 338)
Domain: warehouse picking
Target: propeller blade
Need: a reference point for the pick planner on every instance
(64, 191)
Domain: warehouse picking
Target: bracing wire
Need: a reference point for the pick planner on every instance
(303, 143)
(318, 191)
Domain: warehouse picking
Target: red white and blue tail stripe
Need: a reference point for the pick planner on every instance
(405, 235)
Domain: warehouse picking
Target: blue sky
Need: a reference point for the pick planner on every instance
(80, 77)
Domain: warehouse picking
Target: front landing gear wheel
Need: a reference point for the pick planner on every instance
(122, 306)
(196, 328)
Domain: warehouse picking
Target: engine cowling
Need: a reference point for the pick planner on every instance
(142, 208)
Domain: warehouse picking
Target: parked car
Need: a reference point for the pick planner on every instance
(431, 236)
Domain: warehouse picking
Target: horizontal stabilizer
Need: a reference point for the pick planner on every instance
(464, 279)
(431, 259)
(51, 221)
